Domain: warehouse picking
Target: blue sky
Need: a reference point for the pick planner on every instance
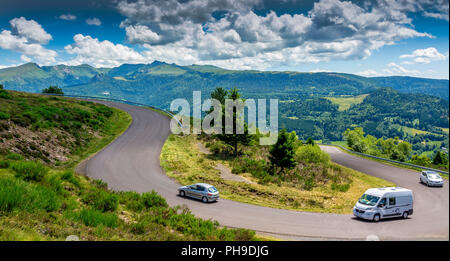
(369, 38)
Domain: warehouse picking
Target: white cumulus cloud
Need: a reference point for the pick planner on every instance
(424, 56)
(141, 34)
(30, 29)
(27, 38)
(101, 53)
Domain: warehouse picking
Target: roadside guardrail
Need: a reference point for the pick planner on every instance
(388, 160)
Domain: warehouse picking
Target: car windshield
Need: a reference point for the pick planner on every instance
(212, 189)
(368, 200)
(433, 176)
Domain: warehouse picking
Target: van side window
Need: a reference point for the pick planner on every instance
(382, 202)
(391, 201)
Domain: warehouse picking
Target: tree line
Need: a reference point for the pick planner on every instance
(392, 148)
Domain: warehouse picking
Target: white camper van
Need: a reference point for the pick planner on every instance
(378, 203)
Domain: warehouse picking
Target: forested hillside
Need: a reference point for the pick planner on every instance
(404, 84)
(420, 119)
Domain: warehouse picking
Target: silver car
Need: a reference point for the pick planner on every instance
(203, 191)
(431, 178)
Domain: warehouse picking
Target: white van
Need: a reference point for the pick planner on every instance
(378, 203)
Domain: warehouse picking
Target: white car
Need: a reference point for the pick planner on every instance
(431, 178)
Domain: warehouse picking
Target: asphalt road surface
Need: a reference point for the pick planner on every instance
(131, 163)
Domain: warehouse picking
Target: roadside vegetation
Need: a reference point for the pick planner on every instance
(394, 149)
(41, 198)
(53, 90)
(290, 174)
(314, 184)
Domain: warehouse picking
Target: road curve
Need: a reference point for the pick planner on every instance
(131, 163)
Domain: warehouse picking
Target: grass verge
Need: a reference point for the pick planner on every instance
(183, 161)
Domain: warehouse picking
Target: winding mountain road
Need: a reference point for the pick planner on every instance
(131, 163)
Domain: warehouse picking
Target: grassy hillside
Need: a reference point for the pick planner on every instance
(31, 77)
(56, 131)
(42, 139)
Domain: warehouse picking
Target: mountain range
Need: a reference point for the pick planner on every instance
(158, 83)
(321, 105)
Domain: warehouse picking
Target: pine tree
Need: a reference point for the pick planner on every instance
(234, 139)
(282, 153)
(219, 94)
(440, 158)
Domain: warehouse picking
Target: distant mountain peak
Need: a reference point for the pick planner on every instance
(158, 63)
(31, 65)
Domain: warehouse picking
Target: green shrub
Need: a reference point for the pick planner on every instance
(258, 168)
(16, 194)
(152, 199)
(102, 200)
(215, 148)
(69, 176)
(100, 184)
(138, 228)
(241, 234)
(312, 154)
(12, 195)
(4, 126)
(218, 147)
(29, 170)
(5, 95)
(94, 218)
(421, 160)
(4, 164)
(104, 110)
(21, 120)
(131, 200)
(53, 90)
(340, 187)
(4, 116)
(14, 156)
(309, 183)
(55, 183)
